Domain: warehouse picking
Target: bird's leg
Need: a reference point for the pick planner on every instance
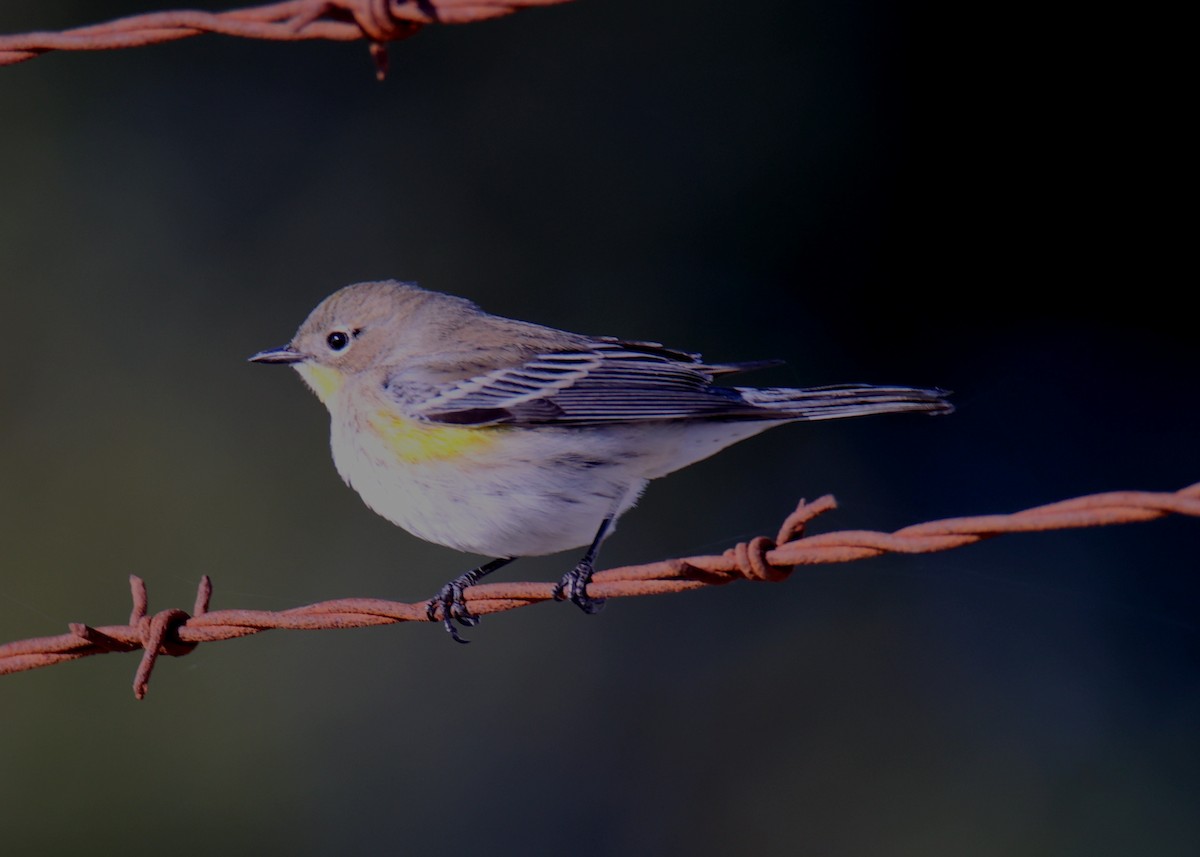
(454, 606)
(573, 586)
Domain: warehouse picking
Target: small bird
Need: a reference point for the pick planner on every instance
(509, 439)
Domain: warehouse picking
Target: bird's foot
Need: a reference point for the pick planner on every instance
(453, 606)
(451, 603)
(573, 588)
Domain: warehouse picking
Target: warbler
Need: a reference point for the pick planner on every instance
(508, 439)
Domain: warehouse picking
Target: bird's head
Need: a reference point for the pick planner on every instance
(356, 329)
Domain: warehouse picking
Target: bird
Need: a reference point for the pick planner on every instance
(510, 439)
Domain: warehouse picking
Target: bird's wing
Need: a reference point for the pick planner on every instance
(609, 381)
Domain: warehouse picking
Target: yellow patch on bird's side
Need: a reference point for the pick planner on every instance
(325, 382)
(415, 442)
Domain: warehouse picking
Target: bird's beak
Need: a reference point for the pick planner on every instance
(283, 354)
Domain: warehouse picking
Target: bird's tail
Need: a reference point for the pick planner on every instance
(845, 400)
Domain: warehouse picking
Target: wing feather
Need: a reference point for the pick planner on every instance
(613, 381)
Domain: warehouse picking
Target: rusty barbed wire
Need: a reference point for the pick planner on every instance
(380, 21)
(175, 632)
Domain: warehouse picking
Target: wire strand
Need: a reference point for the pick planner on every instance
(380, 21)
(175, 632)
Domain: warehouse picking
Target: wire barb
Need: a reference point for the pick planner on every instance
(176, 633)
(380, 21)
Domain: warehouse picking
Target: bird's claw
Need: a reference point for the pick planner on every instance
(573, 588)
(453, 608)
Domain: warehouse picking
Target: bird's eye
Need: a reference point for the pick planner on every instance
(338, 340)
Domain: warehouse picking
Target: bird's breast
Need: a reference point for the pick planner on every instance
(497, 491)
(410, 441)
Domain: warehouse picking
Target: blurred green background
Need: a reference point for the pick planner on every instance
(931, 194)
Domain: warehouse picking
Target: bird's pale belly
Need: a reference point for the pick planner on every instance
(493, 491)
(506, 491)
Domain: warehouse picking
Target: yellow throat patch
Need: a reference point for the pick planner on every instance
(325, 382)
(415, 442)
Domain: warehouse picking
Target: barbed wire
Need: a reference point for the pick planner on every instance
(175, 632)
(380, 21)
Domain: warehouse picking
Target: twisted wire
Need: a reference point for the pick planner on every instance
(175, 632)
(380, 21)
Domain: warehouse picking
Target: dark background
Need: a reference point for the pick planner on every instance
(989, 199)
